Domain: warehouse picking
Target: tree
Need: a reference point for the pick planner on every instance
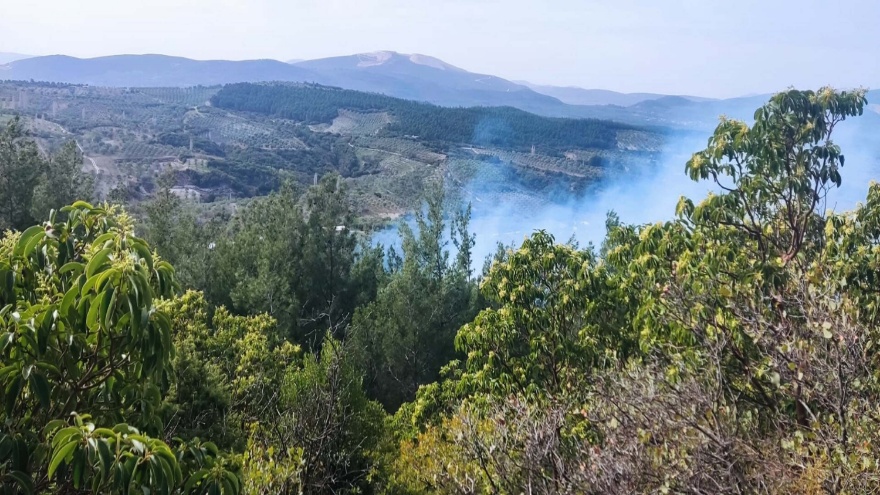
(20, 168)
(406, 335)
(325, 426)
(747, 325)
(554, 316)
(32, 184)
(81, 337)
(63, 181)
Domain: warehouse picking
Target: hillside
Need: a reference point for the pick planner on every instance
(501, 127)
(230, 143)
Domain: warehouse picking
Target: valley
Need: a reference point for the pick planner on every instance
(227, 144)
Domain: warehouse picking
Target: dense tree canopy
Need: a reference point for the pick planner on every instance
(732, 349)
(31, 183)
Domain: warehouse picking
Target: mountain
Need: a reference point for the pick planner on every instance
(579, 96)
(6, 57)
(424, 78)
(149, 70)
(415, 77)
(408, 76)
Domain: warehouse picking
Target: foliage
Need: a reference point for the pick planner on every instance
(738, 354)
(82, 337)
(293, 257)
(30, 184)
(502, 127)
(334, 427)
(406, 335)
(554, 316)
(729, 350)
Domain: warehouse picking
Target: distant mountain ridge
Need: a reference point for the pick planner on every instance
(425, 78)
(7, 57)
(149, 70)
(574, 95)
(410, 76)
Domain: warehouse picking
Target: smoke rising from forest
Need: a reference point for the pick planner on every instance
(639, 196)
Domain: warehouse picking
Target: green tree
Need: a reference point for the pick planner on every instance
(32, 184)
(406, 335)
(326, 418)
(81, 337)
(20, 168)
(554, 316)
(63, 182)
(749, 324)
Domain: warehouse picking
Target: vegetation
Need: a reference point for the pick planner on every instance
(131, 137)
(32, 184)
(500, 127)
(271, 350)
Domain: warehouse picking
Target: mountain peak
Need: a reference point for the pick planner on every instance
(372, 59)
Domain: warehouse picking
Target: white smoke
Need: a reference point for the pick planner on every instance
(647, 194)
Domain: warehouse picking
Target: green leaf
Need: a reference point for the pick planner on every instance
(41, 389)
(72, 267)
(26, 237)
(106, 457)
(194, 479)
(97, 261)
(64, 435)
(234, 481)
(82, 205)
(106, 298)
(24, 482)
(67, 302)
(12, 391)
(94, 310)
(59, 456)
(144, 252)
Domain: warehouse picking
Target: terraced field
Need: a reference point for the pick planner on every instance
(408, 148)
(356, 124)
(226, 128)
(148, 152)
(189, 97)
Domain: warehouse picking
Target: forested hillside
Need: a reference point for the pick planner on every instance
(731, 349)
(501, 127)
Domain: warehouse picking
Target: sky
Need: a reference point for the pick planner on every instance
(697, 47)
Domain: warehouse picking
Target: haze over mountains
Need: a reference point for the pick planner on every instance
(574, 95)
(409, 76)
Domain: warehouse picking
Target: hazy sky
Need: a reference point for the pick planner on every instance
(702, 47)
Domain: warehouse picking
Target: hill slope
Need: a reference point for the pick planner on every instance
(424, 78)
(149, 71)
(505, 127)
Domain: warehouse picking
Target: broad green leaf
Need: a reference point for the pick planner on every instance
(59, 456)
